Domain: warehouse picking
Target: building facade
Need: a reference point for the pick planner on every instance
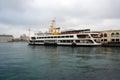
(6, 38)
(24, 37)
(110, 36)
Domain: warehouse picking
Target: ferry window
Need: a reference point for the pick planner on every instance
(117, 33)
(105, 35)
(82, 36)
(77, 41)
(68, 41)
(31, 41)
(117, 40)
(38, 41)
(71, 36)
(67, 36)
(101, 35)
(85, 41)
(50, 36)
(62, 36)
(90, 41)
(95, 40)
(105, 39)
(112, 34)
(94, 35)
(71, 41)
(33, 38)
(61, 41)
(113, 40)
(58, 36)
(64, 41)
(58, 41)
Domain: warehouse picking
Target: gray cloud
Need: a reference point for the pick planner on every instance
(69, 13)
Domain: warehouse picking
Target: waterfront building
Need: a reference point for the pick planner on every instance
(110, 36)
(6, 38)
(24, 37)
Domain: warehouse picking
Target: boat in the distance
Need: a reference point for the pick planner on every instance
(56, 37)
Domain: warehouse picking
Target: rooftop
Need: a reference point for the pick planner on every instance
(6, 35)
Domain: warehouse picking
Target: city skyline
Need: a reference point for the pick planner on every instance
(17, 16)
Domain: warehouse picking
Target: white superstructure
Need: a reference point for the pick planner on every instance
(69, 38)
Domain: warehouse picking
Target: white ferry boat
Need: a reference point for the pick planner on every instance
(67, 38)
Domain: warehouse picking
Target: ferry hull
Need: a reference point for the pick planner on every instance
(66, 44)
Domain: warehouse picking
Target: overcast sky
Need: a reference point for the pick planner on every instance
(17, 16)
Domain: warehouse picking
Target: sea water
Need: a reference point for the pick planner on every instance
(20, 61)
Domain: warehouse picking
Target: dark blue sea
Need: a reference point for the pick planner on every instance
(20, 61)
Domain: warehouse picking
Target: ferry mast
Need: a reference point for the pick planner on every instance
(54, 30)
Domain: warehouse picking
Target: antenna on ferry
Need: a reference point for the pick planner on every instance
(52, 25)
(53, 29)
(29, 33)
(53, 22)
